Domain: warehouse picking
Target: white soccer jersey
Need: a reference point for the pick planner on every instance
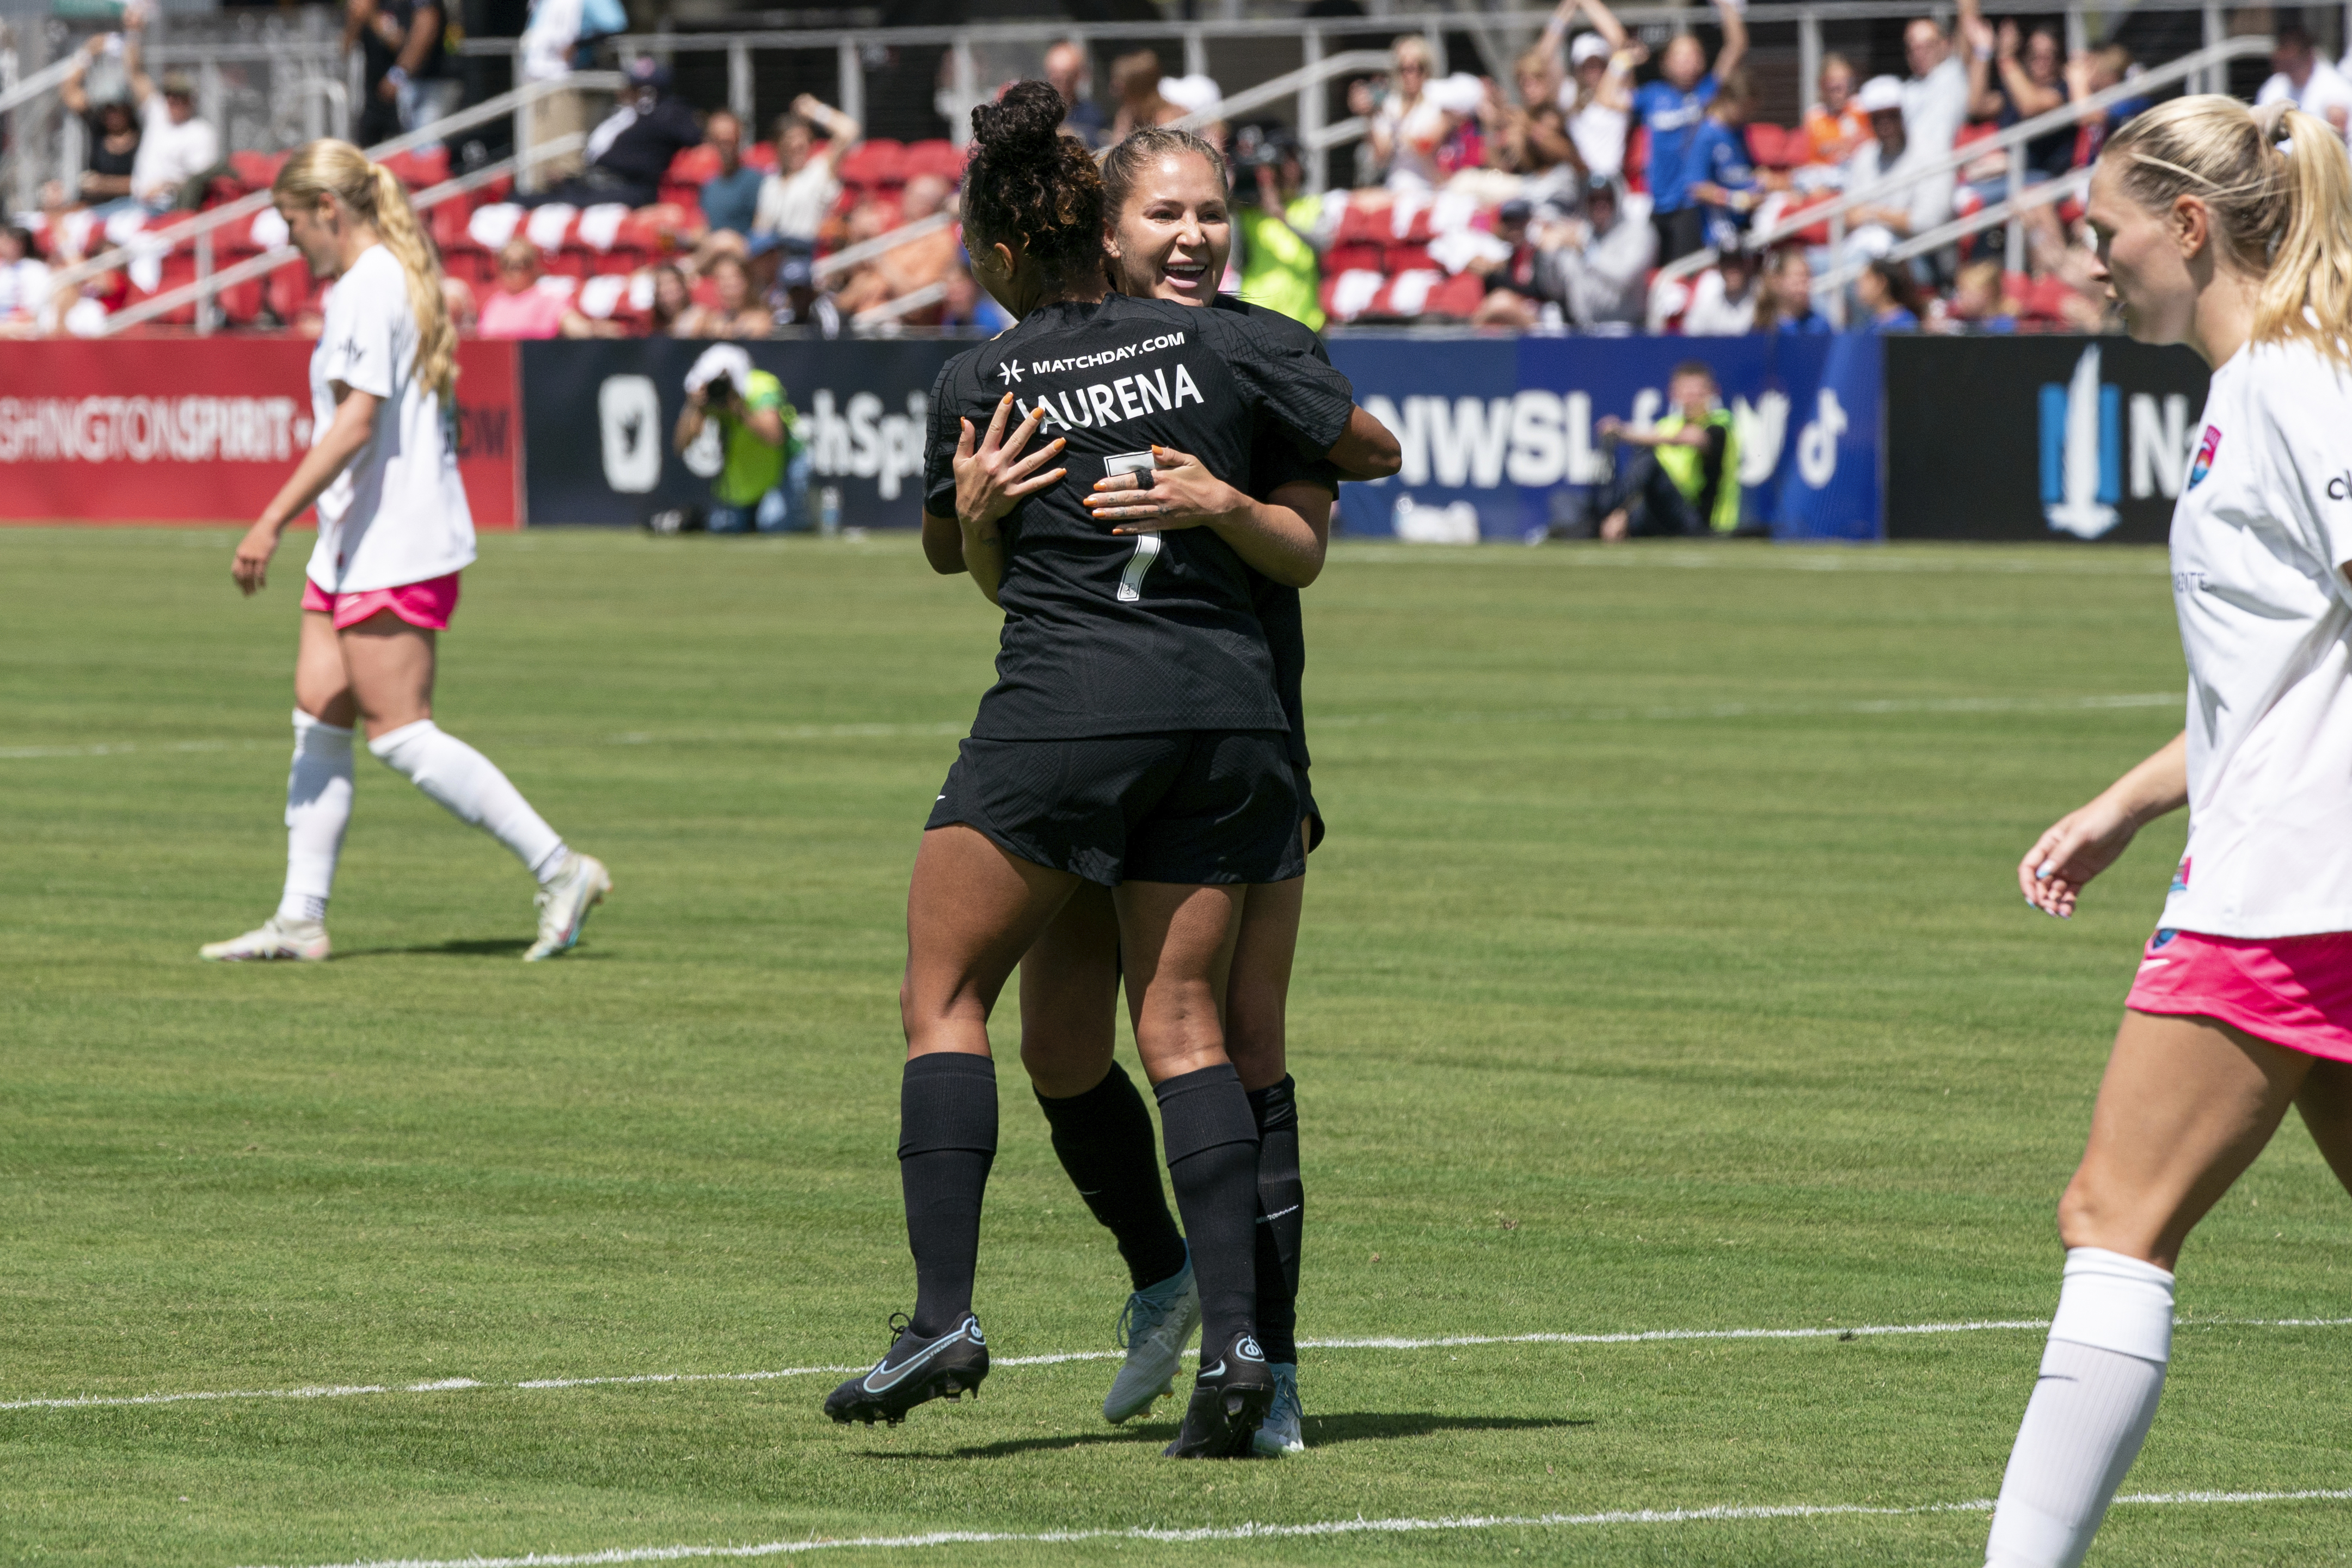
(2259, 538)
(397, 514)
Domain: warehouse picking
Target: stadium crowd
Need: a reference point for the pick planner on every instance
(1561, 200)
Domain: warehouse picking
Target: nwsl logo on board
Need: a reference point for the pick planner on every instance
(2205, 451)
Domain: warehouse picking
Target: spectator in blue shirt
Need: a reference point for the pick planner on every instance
(1716, 170)
(1786, 306)
(731, 197)
(1670, 110)
(1889, 296)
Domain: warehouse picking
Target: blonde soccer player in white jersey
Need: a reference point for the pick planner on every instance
(394, 533)
(2229, 230)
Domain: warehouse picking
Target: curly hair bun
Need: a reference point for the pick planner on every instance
(1024, 122)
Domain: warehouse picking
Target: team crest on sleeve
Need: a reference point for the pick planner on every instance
(2206, 448)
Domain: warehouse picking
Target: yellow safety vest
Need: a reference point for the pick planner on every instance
(1687, 466)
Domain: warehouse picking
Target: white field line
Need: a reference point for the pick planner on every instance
(1725, 1513)
(1870, 707)
(1057, 1358)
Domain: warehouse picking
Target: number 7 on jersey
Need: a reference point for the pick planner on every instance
(1147, 545)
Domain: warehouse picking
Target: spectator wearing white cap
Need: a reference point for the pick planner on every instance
(1598, 95)
(763, 470)
(1875, 227)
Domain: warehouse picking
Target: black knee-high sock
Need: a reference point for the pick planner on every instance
(1105, 1140)
(1205, 1119)
(947, 1141)
(1281, 1205)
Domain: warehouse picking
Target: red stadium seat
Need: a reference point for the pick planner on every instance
(693, 166)
(877, 161)
(447, 220)
(1353, 257)
(935, 157)
(257, 169)
(761, 155)
(419, 168)
(1397, 259)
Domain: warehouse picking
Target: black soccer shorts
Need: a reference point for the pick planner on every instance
(1179, 806)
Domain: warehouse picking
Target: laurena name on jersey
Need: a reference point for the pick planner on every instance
(1115, 401)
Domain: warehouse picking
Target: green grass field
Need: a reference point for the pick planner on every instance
(1664, 971)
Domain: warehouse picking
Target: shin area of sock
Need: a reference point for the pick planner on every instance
(1281, 1211)
(1211, 1146)
(2101, 1376)
(469, 787)
(317, 810)
(947, 1141)
(1105, 1141)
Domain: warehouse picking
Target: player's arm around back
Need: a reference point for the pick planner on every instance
(1368, 450)
(1283, 537)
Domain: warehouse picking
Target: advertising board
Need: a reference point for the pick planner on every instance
(2038, 437)
(1500, 435)
(206, 431)
(598, 417)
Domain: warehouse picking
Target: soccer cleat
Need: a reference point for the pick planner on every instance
(1279, 1433)
(914, 1371)
(1228, 1404)
(1155, 1331)
(302, 941)
(565, 904)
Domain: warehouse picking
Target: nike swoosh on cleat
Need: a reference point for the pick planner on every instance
(899, 1373)
(1216, 1371)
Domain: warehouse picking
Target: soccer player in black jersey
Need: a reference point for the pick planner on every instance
(1132, 738)
(1170, 237)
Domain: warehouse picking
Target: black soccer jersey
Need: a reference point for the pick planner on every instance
(1126, 634)
(1276, 459)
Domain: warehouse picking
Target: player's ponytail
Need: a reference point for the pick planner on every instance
(1033, 189)
(373, 193)
(2280, 215)
(2311, 265)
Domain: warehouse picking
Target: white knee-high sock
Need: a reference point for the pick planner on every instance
(318, 809)
(471, 787)
(2101, 1373)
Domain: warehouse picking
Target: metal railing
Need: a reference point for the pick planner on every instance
(2011, 142)
(205, 285)
(199, 228)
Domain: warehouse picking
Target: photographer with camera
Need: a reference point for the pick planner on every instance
(1281, 268)
(763, 478)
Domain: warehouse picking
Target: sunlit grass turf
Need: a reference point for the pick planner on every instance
(1662, 970)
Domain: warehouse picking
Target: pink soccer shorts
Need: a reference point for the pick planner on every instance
(2292, 991)
(426, 604)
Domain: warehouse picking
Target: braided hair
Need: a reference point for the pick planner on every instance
(1033, 189)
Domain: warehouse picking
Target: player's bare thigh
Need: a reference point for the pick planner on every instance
(1069, 995)
(2326, 1105)
(1257, 991)
(390, 666)
(322, 686)
(2185, 1105)
(1178, 943)
(973, 909)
